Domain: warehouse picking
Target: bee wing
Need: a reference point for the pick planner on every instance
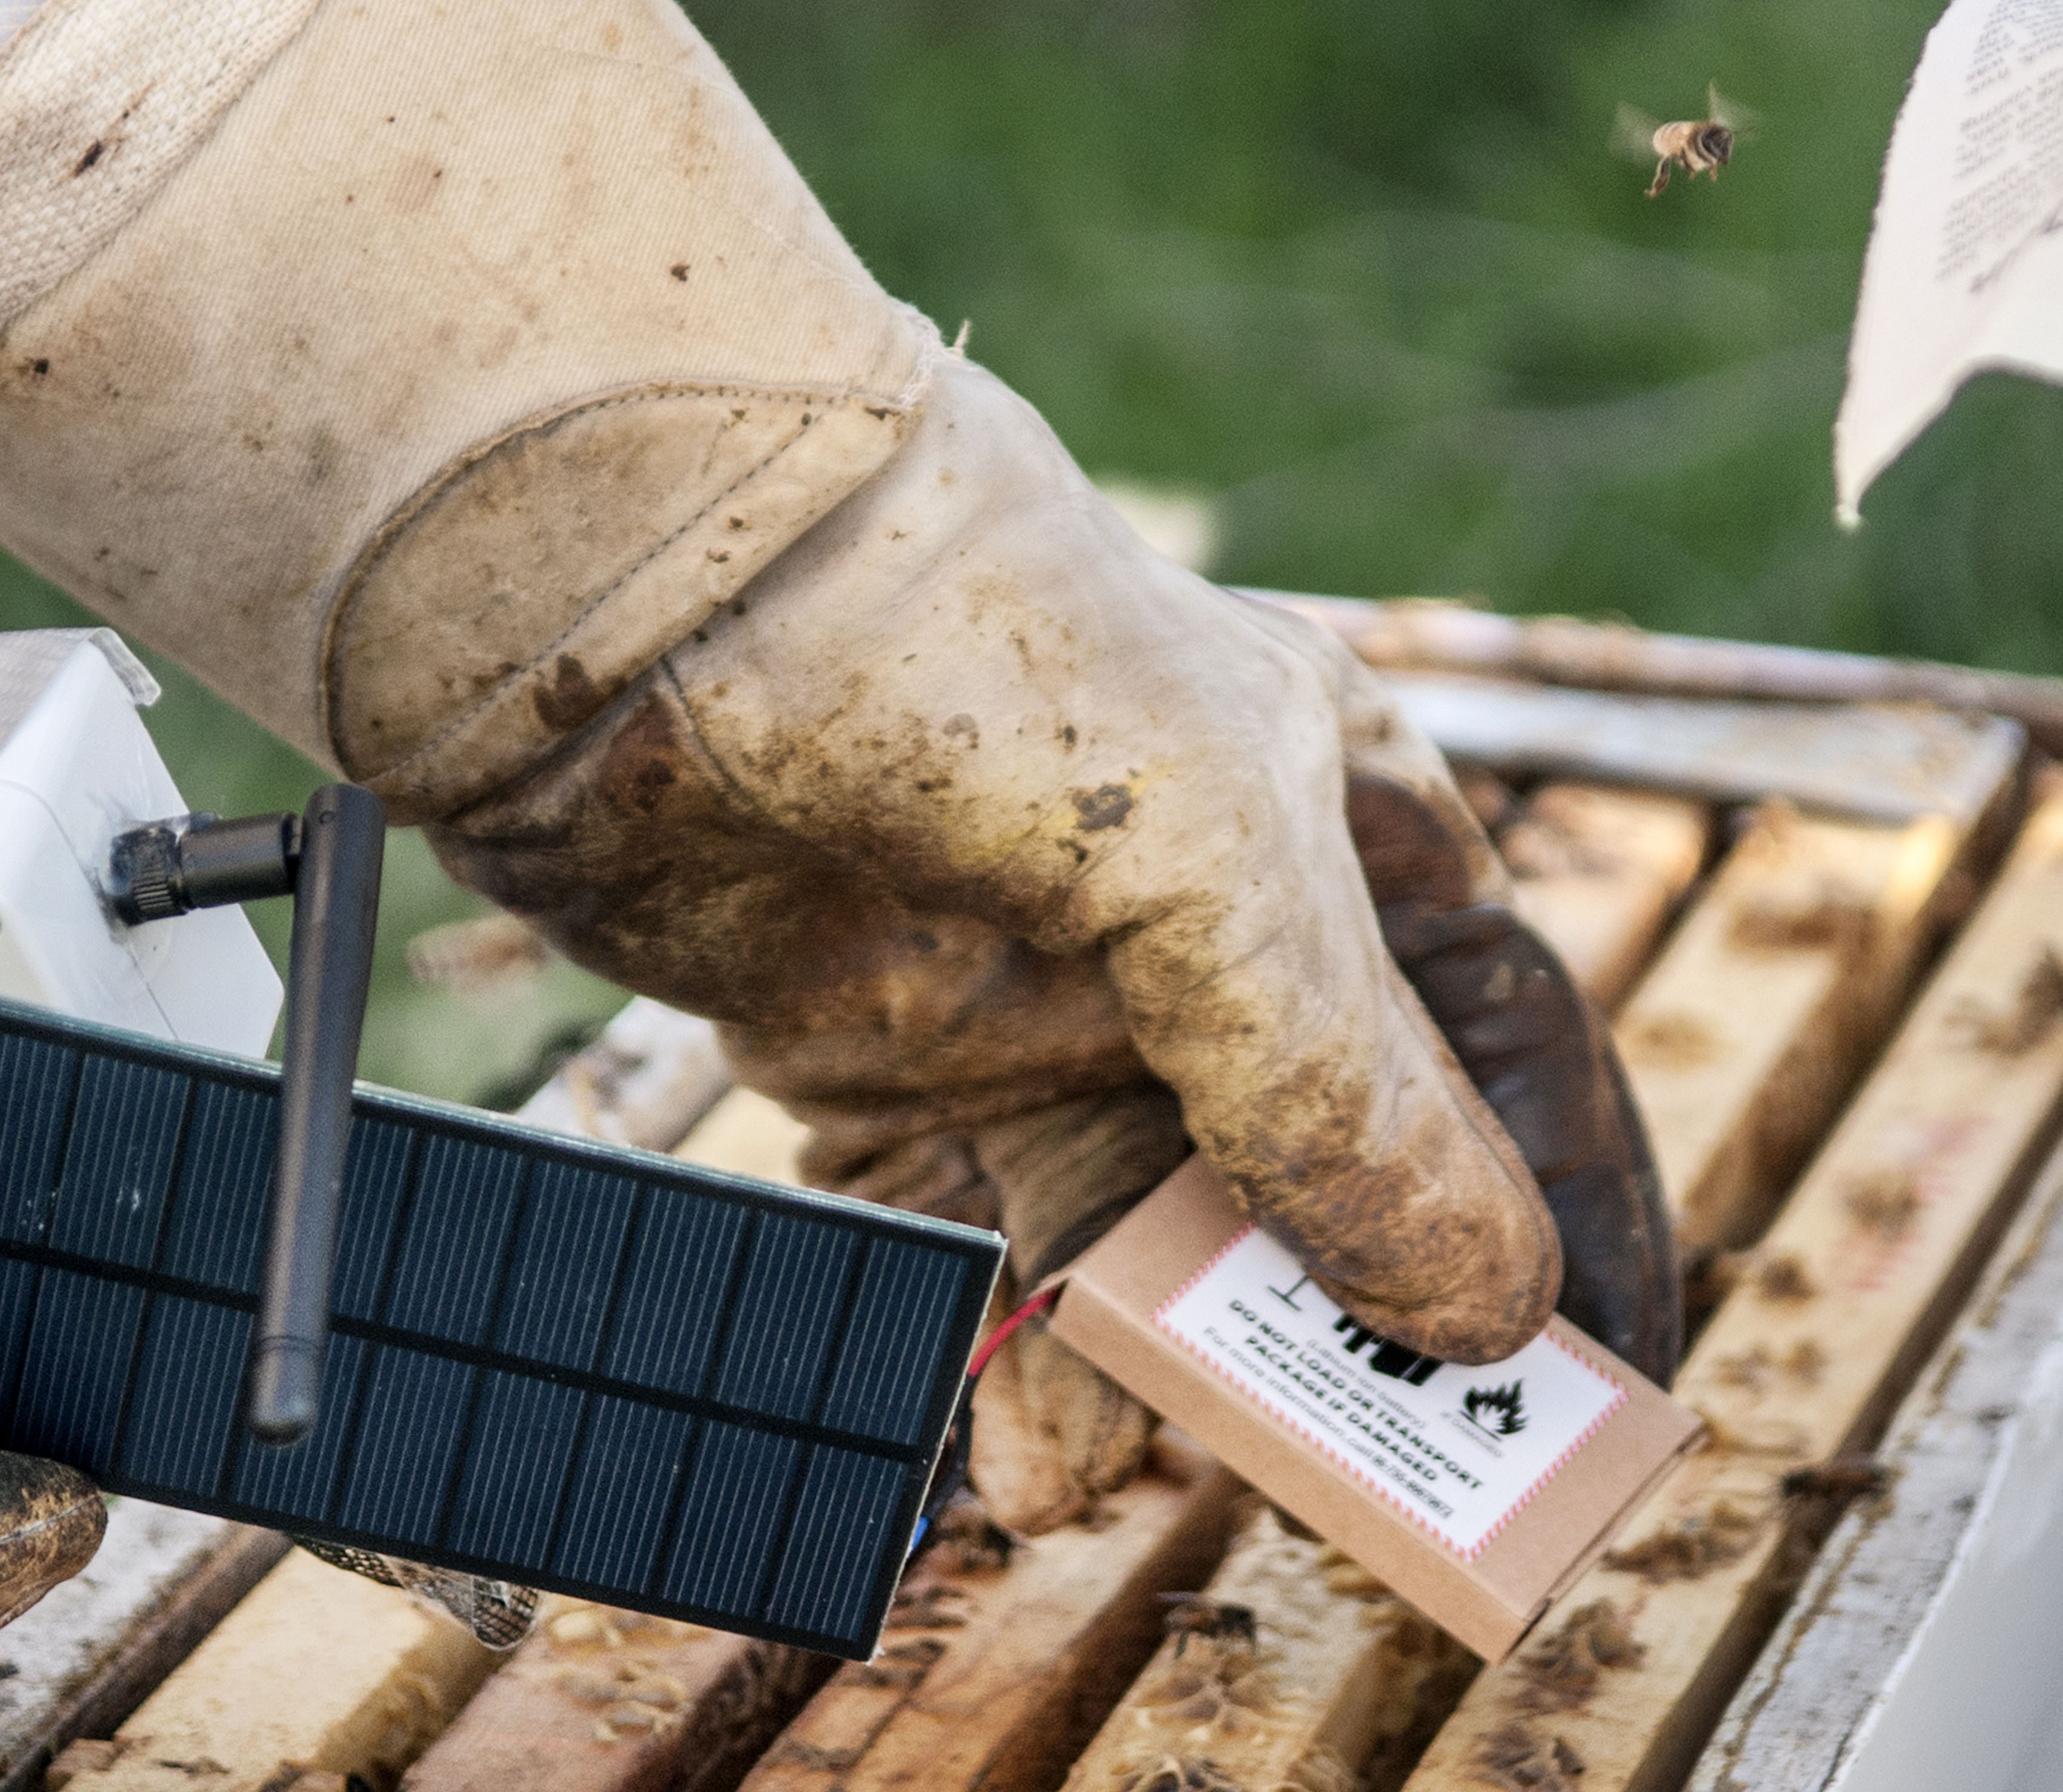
(1633, 134)
(1741, 120)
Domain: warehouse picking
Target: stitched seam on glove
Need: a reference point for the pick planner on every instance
(509, 689)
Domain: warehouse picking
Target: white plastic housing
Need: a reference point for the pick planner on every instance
(77, 768)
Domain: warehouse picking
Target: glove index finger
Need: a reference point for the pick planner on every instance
(1308, 1071)
(1355, 1138)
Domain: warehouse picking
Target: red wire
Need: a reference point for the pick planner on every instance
(1038, 1303)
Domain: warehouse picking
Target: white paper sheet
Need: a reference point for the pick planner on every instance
(1965, 265)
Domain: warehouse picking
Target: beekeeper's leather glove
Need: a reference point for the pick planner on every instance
(51, 1521)
(477, 395)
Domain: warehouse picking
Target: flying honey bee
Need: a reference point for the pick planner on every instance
(1697, 146)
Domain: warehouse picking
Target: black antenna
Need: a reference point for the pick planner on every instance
(329, 859)
(336, 906)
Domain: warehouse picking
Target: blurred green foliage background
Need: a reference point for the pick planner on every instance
(1365, 273)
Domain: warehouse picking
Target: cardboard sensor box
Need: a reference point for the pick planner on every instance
(1478, 1495)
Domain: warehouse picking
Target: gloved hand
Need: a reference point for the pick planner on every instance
(479, 397)
(51, 1521)
(975, 822)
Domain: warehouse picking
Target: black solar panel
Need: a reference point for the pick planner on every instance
(568, 1364)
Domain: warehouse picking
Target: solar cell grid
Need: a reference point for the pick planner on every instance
(553, 1362)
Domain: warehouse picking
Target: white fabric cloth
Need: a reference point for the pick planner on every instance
(14, 15)
(378, 331)
(99, 103)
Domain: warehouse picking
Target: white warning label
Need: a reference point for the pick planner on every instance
(1460, 1450)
